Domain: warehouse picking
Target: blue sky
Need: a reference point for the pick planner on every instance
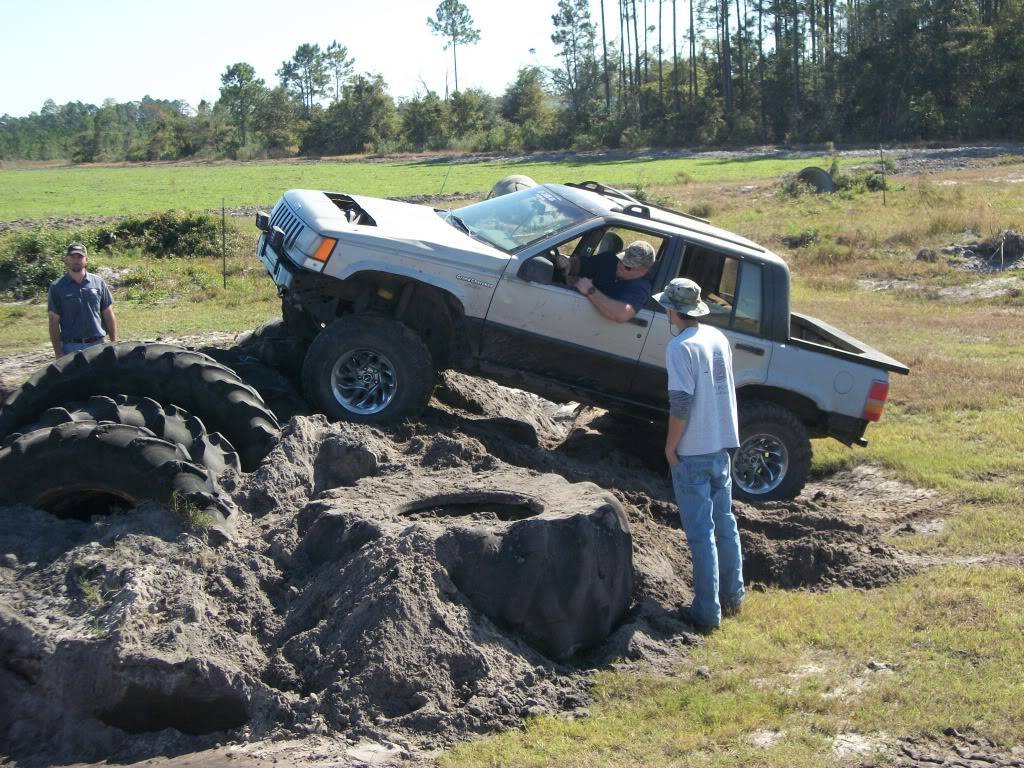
(124, 50)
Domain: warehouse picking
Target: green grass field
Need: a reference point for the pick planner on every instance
(950, 637)
(111, 191)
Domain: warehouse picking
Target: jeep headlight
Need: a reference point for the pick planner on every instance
(315, 248)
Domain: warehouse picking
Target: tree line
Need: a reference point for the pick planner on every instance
(640, 73)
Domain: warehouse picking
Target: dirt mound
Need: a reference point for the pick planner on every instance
(999, 253)
(352, 605)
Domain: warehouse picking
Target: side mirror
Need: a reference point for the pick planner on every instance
(538, 270)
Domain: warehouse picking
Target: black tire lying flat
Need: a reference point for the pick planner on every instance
(774, 457)
(298, 321)
(55, 467)
(279, 394)
(368, 369)
(169, 423)
(168, 374)
(277, 345)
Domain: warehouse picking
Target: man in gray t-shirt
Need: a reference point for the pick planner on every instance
(702, 427)
(80, 306)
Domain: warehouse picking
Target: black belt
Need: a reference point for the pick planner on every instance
(89, 340)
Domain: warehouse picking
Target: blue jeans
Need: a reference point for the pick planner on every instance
(703, 486)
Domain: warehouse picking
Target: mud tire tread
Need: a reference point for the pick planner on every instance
(166, 373)
(276, 345)
(277, 391)
(127, 461)
(167, 422)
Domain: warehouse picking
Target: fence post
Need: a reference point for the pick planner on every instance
(223, 243)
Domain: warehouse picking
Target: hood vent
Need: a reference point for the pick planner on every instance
(352, 210)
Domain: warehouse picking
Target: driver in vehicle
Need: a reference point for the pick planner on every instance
(616, 283)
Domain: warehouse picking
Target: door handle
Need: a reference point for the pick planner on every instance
(753, 350)
(638, 321)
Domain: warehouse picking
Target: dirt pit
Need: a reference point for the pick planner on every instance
(351, 613)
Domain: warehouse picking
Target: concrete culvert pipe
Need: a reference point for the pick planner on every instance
(512, 183)
(818, 178)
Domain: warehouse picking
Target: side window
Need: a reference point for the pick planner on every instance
(589, 255)
(611, 240)
(731, 287)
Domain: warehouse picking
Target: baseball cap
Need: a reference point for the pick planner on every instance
(76, 248)
(683, 296)
(639, 253)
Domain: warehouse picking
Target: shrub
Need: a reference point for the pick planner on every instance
(171, 233)
(701, 210)
(801, 239)
(858, 183)
(31, 259)
(791, 186)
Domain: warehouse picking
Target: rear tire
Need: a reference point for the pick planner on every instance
(368, 369)
(774, 456)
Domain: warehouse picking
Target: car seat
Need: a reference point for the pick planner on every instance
(610, 242)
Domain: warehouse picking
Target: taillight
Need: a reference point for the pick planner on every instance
(877, 396)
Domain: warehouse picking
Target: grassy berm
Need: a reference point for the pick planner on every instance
(929, 666)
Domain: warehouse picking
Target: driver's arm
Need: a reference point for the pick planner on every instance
(616, 311)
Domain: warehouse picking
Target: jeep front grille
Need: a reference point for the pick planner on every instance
(290, 223)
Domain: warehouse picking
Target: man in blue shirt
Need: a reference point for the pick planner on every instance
(80, 306)
(616, 283)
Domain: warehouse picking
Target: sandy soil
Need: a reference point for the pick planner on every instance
(334, 629)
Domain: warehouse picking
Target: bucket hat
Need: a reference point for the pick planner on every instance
(683, 296)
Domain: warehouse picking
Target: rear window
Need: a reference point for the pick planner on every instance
(731, 287)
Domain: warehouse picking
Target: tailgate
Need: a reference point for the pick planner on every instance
(818, 336)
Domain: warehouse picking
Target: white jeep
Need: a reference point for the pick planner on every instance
(389, 293)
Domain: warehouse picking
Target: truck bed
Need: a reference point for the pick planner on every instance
(817, 335)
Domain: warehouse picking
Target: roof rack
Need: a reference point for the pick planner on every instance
(637, 208)
(643, 210)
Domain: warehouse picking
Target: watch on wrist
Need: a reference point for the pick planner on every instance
(591, 290)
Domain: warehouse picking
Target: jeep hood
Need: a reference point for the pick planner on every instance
(390, 225)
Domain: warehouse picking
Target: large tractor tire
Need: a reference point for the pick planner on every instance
(72, 468)
(774, 456)
(277, 392)
(168, 374)
(560, 576)
(369, 369)
(298, 321)
(168, 423)
(276, 344)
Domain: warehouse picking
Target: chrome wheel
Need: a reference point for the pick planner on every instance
(364, 381)
(760, 464)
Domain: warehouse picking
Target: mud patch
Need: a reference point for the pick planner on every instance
(352, 609)
(954, 748)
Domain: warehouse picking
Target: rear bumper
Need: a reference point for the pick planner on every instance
(847, 429)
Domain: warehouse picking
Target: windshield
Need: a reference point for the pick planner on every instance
(512, 222)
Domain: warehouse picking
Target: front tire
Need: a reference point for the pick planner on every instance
(368, 369)
(774, 456)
